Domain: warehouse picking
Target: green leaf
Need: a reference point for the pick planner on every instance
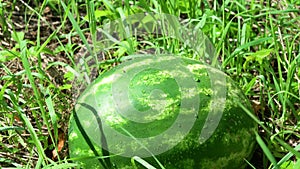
(18, 36)
(290, 165)
(101, 13)
(65, 87)
(98, 14)
(249, 44)
(33, 49)
(125, 47)
(69, 76)
(297, 164)
(6, 55)
(120, 52)
(258, 56)
(202, 22)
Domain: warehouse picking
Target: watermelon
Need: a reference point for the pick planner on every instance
(168, 111)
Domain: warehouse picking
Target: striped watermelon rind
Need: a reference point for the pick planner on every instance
(228, 146)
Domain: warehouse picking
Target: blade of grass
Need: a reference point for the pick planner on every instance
(285, 145)
(11, 128)
(287, 156)
(92, 27)
(37, 95)
(79, 31)
(32, 132)
(76, 26)
(249, 44)
(127, 132)
(141, 161)
(266, 150)
(52, 113)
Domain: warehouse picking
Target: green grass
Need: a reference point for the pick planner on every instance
(257, 44)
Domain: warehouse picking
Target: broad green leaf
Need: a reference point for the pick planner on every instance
(98, 14)
(291, 165)
(69, 76)
(18, 36)
(7, 55)
(258, 56)
(297, 164)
